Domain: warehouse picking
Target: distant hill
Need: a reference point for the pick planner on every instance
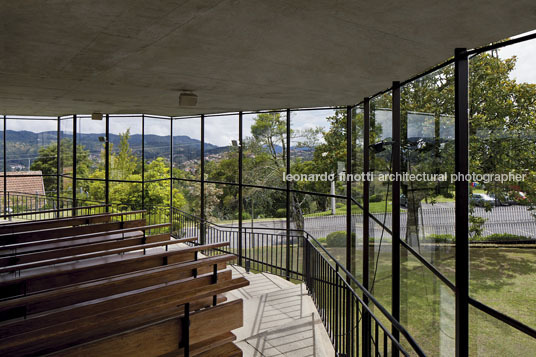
(23, 146)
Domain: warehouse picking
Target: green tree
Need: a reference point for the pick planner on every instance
(47, 162)
(126, 166)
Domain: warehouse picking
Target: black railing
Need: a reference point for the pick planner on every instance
(26, 206)
(355, 328)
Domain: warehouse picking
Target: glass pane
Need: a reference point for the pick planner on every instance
(357, 190)
(489, 336)
(427, 199)
(264, 152)
(90, 151)
(187, 148)
(427, 307)
(190, 191)
(380, 189)
(125, 148)
(318, 147)
(157, 192)
(221, 148)
(2, 169)
(503, 187)
(31, 145)
(66, 146)
(157, 148)
(264, 238)
(66, 192)
(126, 196)
(31, 149)
(221, 203)
(264, 208)
(90, 192)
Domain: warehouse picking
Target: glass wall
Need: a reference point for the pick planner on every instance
(502, 148)
(427, 209)
(221, 148)
(158, 161)
(2, 168)
(380, 198)
(126, 148)
(357, 189)
(90, 160)
(264, 151)
(186, 156)
(66, 158)
(31, 165)
(187, 148)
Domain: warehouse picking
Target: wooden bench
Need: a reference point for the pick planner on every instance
(103, 293)
(63, 222)
(81, 245)
(50, 233)
(59, 213)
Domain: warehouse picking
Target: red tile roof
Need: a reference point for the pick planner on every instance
(24, 183)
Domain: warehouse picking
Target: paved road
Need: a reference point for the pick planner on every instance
(433, 219)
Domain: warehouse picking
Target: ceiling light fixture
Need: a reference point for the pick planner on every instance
(96, 116)
(187, 99)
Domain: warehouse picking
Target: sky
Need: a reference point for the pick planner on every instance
(525, 52)
(218, 130)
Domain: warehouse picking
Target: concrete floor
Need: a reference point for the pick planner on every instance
(280, 319)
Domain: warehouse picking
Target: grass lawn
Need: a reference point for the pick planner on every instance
(375, 207)
(502, 278)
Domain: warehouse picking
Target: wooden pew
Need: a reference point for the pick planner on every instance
(98, 243)
(17, 227)
(101, 317)
(102, 293)
(62, 260)
(141, 335)
(65, 275)
(45, 243)
(207, 327)
(161, 298)
(79, 211)
(100, 288)
(44, 234)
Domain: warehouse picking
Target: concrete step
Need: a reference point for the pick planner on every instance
(280, 319)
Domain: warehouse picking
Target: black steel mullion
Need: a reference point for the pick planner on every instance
(5, 168)
(288, 197)
(170, 173)
(75, 162)
(58, 167)
(349, 171)
(202, 193)
(350, 240)
(240, 184)
(366, 184)
(461, 72)
(396, 212)
(107, 164)
(143, 161)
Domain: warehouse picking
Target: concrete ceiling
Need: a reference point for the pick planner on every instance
(133, 56)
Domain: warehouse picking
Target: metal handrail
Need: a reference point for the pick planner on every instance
(347, 280)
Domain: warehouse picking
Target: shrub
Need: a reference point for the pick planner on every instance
(321, 240)
(337, 239)
(376, 198)
(501, 237)
(441, 238)
(281, 213)
(245, 215)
